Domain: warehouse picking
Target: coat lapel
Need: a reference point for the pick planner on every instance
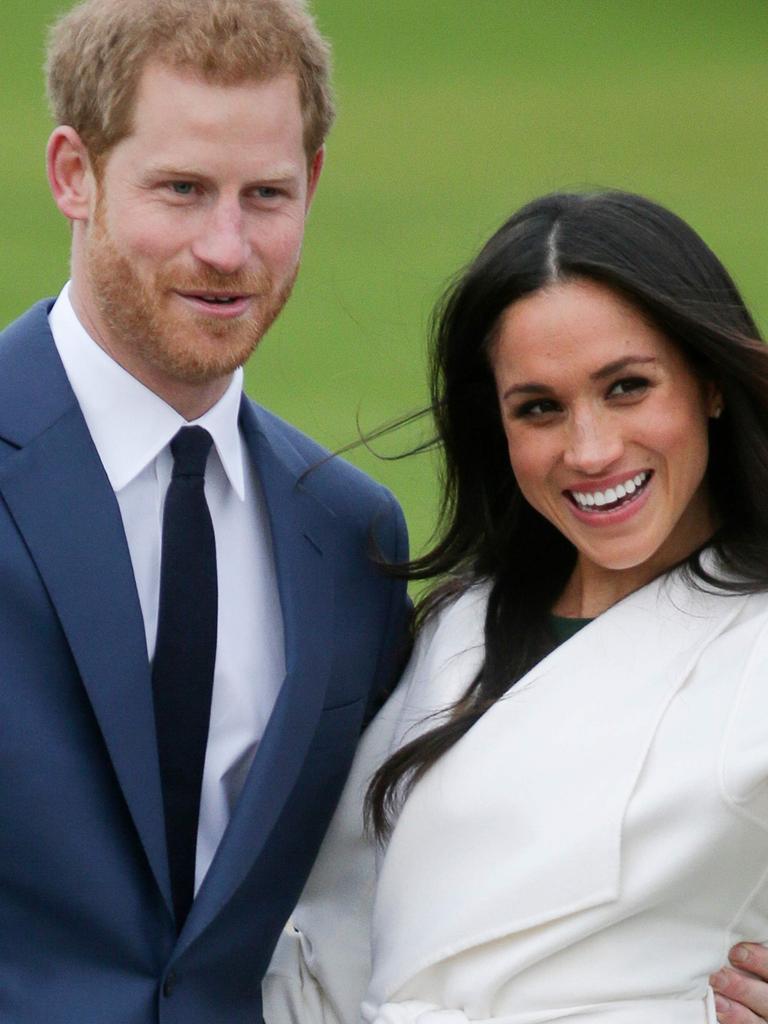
(304, 544)
(59, 496)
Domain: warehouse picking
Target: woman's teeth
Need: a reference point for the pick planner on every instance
(613, 496)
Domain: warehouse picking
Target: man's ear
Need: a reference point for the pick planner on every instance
(70, 173)
(314, 175)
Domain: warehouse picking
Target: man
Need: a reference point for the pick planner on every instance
(192, 625)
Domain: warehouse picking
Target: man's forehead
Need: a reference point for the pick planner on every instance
(162, 72)
(172, 104)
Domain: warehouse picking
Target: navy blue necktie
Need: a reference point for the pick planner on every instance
(185, 654)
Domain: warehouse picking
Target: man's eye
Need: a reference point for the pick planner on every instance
(182, 188)
(267, 192)
(629, 386)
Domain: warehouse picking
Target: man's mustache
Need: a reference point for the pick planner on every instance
(239, 283)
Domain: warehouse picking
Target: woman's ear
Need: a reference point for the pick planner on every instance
(70, 173)
(714, 400)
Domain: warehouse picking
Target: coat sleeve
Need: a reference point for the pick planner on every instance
(322, 963)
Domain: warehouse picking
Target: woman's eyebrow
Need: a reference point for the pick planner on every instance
(616, 366)
(621, 364)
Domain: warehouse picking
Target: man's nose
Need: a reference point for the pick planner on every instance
(222, 242)
(594, 442)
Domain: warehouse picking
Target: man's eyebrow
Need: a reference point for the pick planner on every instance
(278, 172)
(171, 171)
(616, 366)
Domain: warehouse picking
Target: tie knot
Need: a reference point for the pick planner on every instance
(190, 449)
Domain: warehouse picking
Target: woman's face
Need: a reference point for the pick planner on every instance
(606, 427)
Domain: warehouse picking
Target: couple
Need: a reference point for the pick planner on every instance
(194, 632)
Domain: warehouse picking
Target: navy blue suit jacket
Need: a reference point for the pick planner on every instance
(86, 929)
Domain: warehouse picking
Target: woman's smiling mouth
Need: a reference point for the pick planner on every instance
(611, 498)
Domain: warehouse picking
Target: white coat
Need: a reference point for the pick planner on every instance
(587, 852)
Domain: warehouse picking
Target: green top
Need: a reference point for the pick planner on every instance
(563, 628)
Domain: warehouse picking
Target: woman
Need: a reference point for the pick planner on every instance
(570, 785)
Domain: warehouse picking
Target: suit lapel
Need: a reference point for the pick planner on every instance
(59, 496)
(304, 543)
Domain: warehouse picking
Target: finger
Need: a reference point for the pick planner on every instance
(734, 1013)
(749, 956)
(747, 994)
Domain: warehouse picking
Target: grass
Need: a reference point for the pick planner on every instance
(452, 113)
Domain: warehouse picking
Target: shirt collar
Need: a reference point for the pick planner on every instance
(130, 425)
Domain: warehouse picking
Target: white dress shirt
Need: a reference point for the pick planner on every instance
(132, 428)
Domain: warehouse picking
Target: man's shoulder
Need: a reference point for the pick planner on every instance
(32, 321)
(337, 483)
(34, 389)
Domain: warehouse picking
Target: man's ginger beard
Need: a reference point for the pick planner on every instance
(140, 315)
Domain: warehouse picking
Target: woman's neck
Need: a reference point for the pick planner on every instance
(593, 587)
(588, 594)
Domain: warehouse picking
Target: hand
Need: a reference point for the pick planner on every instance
(741, 991)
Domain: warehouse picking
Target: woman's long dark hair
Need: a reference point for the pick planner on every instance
(487, 530)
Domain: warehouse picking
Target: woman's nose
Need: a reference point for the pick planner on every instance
(594, 443)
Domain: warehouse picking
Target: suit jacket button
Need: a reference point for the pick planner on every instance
(169, 984)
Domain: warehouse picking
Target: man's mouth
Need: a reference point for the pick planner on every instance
(612, 497)
(214, 300)
(221, 305)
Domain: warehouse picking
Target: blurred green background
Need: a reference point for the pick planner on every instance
(451, 114)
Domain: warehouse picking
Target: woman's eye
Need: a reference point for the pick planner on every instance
(537, 407)
(629, 386)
